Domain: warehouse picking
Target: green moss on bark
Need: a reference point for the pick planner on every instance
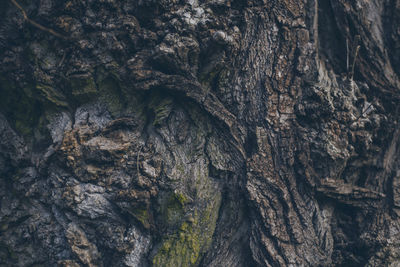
(83, 87)
(52, 95)
(185, 247)
(19, 106)
(161, 107)
(142, 215)
(175, 208)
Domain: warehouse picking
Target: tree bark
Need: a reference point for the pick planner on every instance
(199, 133)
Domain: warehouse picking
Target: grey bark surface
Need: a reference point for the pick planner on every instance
(199, 133)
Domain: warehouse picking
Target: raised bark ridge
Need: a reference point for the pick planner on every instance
(199, 133)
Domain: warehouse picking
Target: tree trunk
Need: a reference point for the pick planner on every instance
(199, 133)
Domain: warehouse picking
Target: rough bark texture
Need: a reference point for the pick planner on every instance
(199, 133)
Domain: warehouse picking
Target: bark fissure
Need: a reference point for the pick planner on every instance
(199, 133)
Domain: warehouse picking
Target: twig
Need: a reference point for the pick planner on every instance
(365, 110)
(362, 114)
(355, 48)
(62, 59)
(37, 25)
(354, 62)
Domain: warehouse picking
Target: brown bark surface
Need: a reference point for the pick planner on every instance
(199, 133)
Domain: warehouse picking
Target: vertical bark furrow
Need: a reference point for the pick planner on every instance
(199, 133)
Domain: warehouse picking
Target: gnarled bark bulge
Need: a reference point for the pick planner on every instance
(199, 133)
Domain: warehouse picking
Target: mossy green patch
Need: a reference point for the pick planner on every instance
(181, 198)
(175, 207)
(83, 87)
(142, 215)
(184, 247)
(52, 95)
(19, 106)
(162, 107)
